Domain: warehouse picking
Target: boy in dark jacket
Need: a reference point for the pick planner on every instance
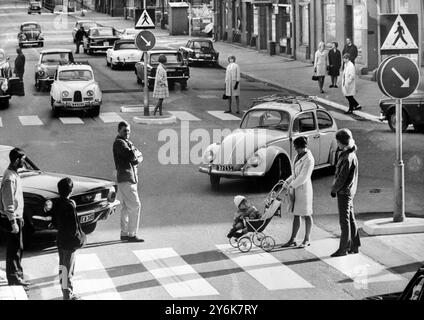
(70, 237)
(245, 210)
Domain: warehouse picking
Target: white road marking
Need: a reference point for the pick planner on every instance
(355, 266)
(30, 121)
(1, 123)
(71, 120)
(339, 116)
(109, 117)
(224, 116)
(266, 269)
(184, 116)
(177, 277)
(207, 96)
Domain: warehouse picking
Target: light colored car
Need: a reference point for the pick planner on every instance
(263, 144)
(129, 34)
(74, 88)
(87, 24)
(123, 53)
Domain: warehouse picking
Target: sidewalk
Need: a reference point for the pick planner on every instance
(10, 292)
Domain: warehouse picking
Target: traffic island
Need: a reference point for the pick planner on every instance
(386, 226)
(165, 119)
(135, 108)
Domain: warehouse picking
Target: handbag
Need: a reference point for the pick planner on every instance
(224, 97)
(315, 77)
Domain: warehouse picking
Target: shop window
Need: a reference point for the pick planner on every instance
(304, 24)
(329, 9)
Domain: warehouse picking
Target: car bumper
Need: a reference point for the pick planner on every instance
(210, 170)
(30, 42)
(46, 80)
(172, 78)
(125, 63)
(99, 48)
(73, 106)
(5, 97)
(202, 59)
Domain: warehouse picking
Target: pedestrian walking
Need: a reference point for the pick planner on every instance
(79, 38)
(160, 90)
(349, 84)
(20, 64)
(70, 236)
(301, 192)
(344, 188)
(12, 209)
(232, 83)
(320, 65)
(127, 158)
(334, 64)
(351, 49)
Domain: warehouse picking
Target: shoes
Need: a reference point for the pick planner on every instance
(289, 244)
(228, 111)
(134, 239)
(304, 244)
(353, 251)
(335, 86)
(322, 91)
(348, 112)
(358, 108)
(124, 238)
(331, 86)
(339, 253)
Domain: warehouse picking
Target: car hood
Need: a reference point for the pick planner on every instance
(76, 85)
(127, 53)
(45, 184)
(50, 69)
(239, 146)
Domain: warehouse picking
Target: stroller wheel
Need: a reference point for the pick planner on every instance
(245, 244)
(257, 238)
(233, 242)
(268, 243)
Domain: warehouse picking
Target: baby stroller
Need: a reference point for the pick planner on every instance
(255, 227)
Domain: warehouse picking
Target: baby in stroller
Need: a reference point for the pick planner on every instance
(245, 210)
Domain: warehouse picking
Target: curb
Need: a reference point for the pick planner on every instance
(386, 226)
(155, 120)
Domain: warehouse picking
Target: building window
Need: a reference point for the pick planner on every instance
(304, 24)
(329, 20)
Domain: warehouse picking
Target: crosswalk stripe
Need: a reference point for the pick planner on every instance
(30, 121)
(109, 117)
(178, 278)
(71, 120)
(356, 266)
(266, 269)
(1, 123)
(184, 116)
(207, 96)
(224, 116)
(339, 116)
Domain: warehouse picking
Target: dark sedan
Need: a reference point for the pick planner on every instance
(34, 7)
(412, 112)
(200, 51)
(95, 198)
(30, 34)
(100, 39)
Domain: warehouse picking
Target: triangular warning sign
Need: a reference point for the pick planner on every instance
(145, 21)
(399, 37)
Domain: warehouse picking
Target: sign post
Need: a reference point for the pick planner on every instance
(398, 77)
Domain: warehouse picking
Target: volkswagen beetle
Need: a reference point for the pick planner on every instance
(30, 34)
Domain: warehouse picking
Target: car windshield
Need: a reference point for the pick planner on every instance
(202, 44)
(4, 163)
(55, 58)
(31, 27)
(75, 75)
(125, 46)
(171, 57)
(270, 119)
(88, 25)
(102, 32)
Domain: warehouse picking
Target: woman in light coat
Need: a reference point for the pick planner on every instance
(160, 90)
(320, 65)
(300, 186)
(232, 83)
(349, 83)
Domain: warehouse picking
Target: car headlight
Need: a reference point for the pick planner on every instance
(65, 94)
(48, 205)
(112, 194)
(197, 55)
(90, 93)
(40, 36)
(4, 86)
(41, 73)
(254, 161)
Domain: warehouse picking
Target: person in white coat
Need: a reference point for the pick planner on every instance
(320, 65)
(301, 192)
(232, 83)
(349, 84)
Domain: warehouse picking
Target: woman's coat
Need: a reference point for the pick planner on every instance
(301, 183)
(160, 90)
(320, 63)
(348, 80)
(232, 75)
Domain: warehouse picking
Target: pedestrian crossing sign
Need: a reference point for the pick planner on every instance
(399, 33)
(145, 19)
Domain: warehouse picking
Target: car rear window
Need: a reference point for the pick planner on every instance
(75, 75)
(170, 58)
(102, 32)
(125, 46)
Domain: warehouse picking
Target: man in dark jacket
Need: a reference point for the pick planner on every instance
(70, 236)
(79, 36)
(20, 64)
(351, 49)
(127, 158)
(344, 188)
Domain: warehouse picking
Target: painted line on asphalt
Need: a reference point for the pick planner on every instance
(265, 268)
(358, 267)
(71, 120)
(177, 277)
(110, 117)
(224, 116)
(30, 121)
(184, 116)
(1, 122)
(207, 96)
(342, 117)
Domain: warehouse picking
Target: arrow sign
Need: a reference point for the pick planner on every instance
(405, 82)
(145, 40)
(148, 43)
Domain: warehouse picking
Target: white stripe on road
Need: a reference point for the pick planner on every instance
(71, 120)
(342, 117)
(266, 269)
(109, 117)
(178, 278)
(356, 266)
(30, 121)
(184, 116)
(207, 96)
(1, 123)
(223, 116)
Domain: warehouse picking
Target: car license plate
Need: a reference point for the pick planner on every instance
(105, 43)
(87, 218)
(78, 104)
(227, 167)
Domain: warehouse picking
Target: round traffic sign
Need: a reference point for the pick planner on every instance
(145, 40)
(398, 77)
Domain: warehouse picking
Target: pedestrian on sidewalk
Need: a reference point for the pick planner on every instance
(160, 90)
(334, 64)
(349, 84)
(344, 188)
(12, 209)
(20, 64)
(232, 83)
(351, 49)
(320, 65)
(300, 188)
(70, 236)
(127, 158)
(79, 37)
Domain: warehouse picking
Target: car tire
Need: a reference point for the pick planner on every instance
(419, 127)
(4, 104)
(215, 180)
(392, 121)
(95, 112)
(107, 63)
(113, 66)
(37, 85)
(89, 228)
(183, 85)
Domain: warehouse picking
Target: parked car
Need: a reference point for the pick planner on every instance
(262, 146)
(74, 88)
(87, 24)
(200, 51)
(176, 69)
(9, 85)
(95, 198)
(412, 112)
(30, 34)
(34, 7)
(47, 64)
(123, 53)
(128, 33)
(99, 39)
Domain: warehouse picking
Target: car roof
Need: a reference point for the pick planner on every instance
(56, 51)
(292, 108)
(73, 66)
(82, 21)
(29, 22)
(200, 40)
